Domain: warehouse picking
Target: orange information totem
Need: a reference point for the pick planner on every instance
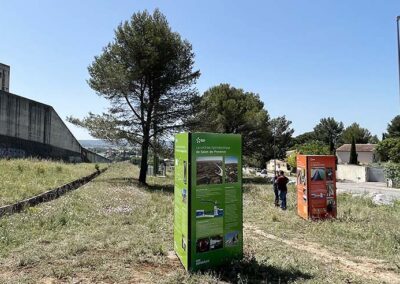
(316, 186)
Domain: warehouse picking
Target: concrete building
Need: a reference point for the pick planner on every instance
(32, 129)
(280, 166)
(366, 154)
(4, 77)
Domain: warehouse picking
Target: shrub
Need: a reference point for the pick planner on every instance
(40, 170)
(20, 169)
(392, 171)
(311, 148)
(292, 160)
(135, 160)
(389, 150)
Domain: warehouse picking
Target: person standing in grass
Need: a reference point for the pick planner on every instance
(282, 182)
(275, 186)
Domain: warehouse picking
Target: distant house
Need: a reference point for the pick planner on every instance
(290, 152)
(280, 166)
(366, 153)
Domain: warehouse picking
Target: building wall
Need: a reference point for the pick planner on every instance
(29, 128)
(89, 156)
(363, 157)
(33, 121)
(280, 166)
(352, 173)
(360, 173)
(4, 78)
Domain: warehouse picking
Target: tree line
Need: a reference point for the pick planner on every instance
(148, 75)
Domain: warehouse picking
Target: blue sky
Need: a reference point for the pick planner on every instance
(306, 59)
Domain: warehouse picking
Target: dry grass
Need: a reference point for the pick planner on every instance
(24, 178)
(113, 231)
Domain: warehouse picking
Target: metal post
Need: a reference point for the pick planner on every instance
(274, 153)
(398, 48)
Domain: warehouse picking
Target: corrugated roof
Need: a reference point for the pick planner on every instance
(359, 148)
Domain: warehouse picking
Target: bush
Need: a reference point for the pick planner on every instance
(392, 171)
(20, 169)
(292, 160)
(389, 150)
(135, 160)
(311, 148)
(40, 170)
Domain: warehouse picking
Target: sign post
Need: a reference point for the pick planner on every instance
(208, 214)
(316, 187)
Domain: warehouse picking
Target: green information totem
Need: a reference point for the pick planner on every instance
(208, 214)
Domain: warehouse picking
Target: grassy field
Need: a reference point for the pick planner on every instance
(20, 179)
(113, 231)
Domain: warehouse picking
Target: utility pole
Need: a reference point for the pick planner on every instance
(274, 133)
(398, 48)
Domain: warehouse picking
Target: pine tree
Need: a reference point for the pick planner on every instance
(147, 74)
(353, 153)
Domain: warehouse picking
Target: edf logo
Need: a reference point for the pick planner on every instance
(200, 140)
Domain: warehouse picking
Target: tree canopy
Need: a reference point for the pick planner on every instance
(353, 160)
(374, 140)
(227, 109)
(360, 135)
(310, 148)
(393, 128)
(146, 73)
(389, 150)
(306, 137)
(282, 136)
(329, 131)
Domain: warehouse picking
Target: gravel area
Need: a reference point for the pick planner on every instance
(378, 191)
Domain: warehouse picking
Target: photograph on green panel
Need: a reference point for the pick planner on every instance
(232, 239)
(210, 210)
(184, 195)
(318, 174)
(231, 169)
(183, 243)
(216, 242)
(203, 245)
(184, 172)
(209, 170)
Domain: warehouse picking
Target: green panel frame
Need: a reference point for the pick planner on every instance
(213, 232)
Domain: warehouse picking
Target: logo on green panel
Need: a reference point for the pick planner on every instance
(200, 140)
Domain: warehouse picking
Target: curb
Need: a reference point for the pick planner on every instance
(48, 195)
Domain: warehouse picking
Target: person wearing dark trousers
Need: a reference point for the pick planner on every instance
(275, 186)
(282, 182)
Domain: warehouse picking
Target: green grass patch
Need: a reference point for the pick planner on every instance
(24, 178)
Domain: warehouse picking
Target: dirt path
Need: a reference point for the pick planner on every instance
(363, 267)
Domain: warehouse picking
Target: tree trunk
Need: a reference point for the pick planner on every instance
(332, 147)
(143, 162)
(155, 151)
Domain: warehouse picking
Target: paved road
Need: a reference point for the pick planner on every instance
(378, 191)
